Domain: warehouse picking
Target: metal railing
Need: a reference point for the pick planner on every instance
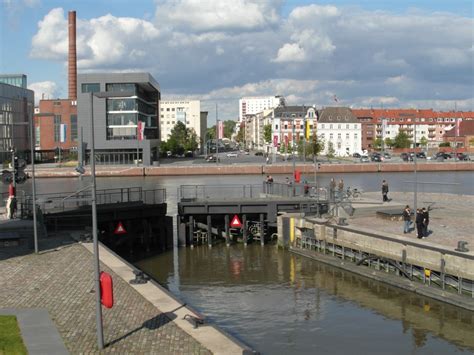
(60, 202)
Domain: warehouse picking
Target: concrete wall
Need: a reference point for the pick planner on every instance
(421, 253)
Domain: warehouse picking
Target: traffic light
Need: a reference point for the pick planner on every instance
(19, 166)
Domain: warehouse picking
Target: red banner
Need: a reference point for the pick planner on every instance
(141, 130)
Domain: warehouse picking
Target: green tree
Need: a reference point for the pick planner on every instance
(378, 143)
(316, 146)
(402, 140)
(229, 127)
(240, 136)
(331, 151)
(423, 141)
(444, 144)
(211, 132)
(267, 133)
(182, 139)
(388, 142)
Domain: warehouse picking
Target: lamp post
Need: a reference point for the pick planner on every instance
(98, 308)
(33, 188)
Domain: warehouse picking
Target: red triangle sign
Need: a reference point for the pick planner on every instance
(236, 222)
(120, 229)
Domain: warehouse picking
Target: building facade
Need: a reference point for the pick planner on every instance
(461, 137)
(51, 114)
(118, 102)
(19, 80)
(16, 113)
(255, 104)
(185, 111)
(339, 127)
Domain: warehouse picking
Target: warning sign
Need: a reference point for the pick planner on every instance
(120, 229)
(235, 223)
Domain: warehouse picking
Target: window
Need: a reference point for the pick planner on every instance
(347, 135)
(90, 87)
(74, 128)
(347, 126)
(57, 126)
(37, 136)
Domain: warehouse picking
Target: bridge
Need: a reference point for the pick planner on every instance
(205, 211)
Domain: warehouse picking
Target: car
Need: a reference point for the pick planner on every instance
(189, 154)
(421, 155)
(463, 156)
(443, 155)
(232, 155)
(212, 159)
(387, 155)
(377, 158)
(407, 156)
(259, 154)
(356, 155)
(364, 159)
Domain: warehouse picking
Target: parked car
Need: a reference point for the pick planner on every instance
(387, 155)
(421, 155)
(212, 159)
(189, 154)
(259, 154)
(364, 159)
(356, 155)
(407, 156)
(463, 156)
(443, 155)
(232, 155)
(377, 158)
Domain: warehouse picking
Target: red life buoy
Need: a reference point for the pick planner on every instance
(106, 290)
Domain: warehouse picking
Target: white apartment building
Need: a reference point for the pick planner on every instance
(339, 126)
(186, 111)
(254, 104)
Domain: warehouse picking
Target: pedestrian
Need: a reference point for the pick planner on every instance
(384, 191)
(426, 221)
(332, 189)
(406, 219)
(419, 223)
(340, 188)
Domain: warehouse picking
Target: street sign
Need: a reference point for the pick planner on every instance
(120, 229)
(235, 223)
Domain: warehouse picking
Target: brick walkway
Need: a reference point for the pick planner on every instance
(61, 281)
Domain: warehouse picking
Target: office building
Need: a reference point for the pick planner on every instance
(133, 98)
(255, 104)
(15, 80)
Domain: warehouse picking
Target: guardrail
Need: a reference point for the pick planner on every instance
(60, 202)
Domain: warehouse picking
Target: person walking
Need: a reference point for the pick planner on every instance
(332, 189)
(384, 191)
(419, 223)
(340, 188)
(426, 221)
(406, 219)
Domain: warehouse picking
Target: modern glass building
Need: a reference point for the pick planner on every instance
(14, 79)
(16, 112)
(119, 102)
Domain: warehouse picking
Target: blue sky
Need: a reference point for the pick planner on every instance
(368, 53)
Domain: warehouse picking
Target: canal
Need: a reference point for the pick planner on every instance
(279, 303)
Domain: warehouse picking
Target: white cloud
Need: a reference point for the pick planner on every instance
(50, 42)
(44, 89)
(222, 15)
(290, 52)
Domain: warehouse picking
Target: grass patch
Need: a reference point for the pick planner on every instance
(11, 341)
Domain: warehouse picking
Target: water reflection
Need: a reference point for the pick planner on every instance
(278, 302)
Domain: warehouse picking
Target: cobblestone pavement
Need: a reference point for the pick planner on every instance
(451, 217)
(61, 281)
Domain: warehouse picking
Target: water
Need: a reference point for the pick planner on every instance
(280, 303)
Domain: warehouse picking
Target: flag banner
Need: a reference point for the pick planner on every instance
(141, 130)
(458, 125)
(220, 129)
(275, 141)
(62, 133)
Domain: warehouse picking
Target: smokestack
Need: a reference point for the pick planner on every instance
(72, 57)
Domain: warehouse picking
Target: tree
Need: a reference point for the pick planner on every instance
(229, 127)
(182, 139)
(267, 133)
(240, 136)
(378, 143)
(315, 146)
(444, 144)
(402, 141)
(388, 142)
(331, 151)
(423, 141)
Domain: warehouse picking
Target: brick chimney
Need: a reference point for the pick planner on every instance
(72, 57)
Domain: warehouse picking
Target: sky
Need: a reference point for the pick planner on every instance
(367, 53)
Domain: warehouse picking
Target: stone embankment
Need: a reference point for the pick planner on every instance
(252, 169)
